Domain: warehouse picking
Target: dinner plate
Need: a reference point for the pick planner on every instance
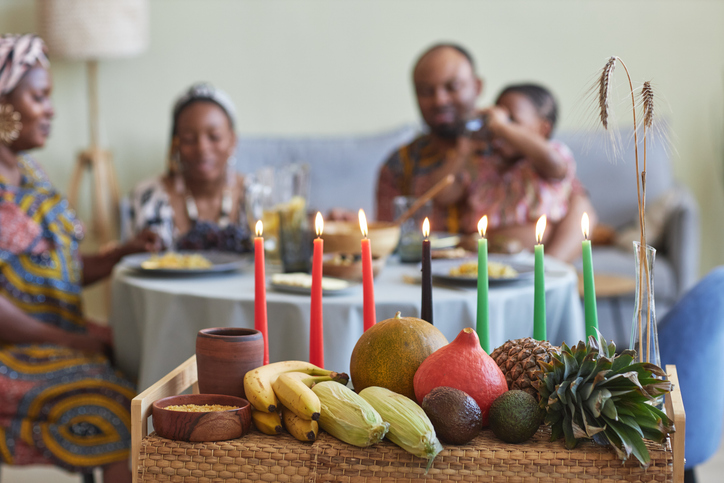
(442, 240)
(221, 262)
(341, 286)
(441, 271)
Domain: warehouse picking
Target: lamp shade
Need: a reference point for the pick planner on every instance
(94, 29)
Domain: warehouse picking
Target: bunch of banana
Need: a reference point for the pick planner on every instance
(286, 386)
(302, 429)
(258, 383)
(267, 423)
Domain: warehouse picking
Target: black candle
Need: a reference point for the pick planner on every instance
(426, 309)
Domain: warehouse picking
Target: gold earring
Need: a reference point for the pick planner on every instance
(10, 124)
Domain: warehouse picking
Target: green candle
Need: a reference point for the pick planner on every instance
(539, 301)
(483, 327)
(589, 287)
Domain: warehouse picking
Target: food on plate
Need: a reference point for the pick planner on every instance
(515, 416)
(199, 408)
(305, 280)
(293, 391)
(454, 414)
(464, 365)
(176, 260)
(302, 429)
(348, 417)
(410, 428)
(267, 423)
(258, 382)
(341, 259)
(519, 359)
(389, 353)
(617, 398)
(495, 270)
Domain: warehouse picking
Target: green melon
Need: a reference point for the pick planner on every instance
(389, 353)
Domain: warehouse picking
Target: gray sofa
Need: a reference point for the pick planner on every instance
(344, 171)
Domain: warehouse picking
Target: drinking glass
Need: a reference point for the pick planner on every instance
(410, 248)
(276, 193)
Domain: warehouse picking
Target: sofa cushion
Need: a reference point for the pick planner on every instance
(343, 168)
(611, 180)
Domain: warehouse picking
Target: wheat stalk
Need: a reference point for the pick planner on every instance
(647, 96)
(604, 90)
(604, 98)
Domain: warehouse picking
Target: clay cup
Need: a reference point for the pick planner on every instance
(224, 355)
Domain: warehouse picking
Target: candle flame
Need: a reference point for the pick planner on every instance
(540, 228)
(363, 222)
(483, 225)
(426, 228)
(584, 225)
(319, 224)
(259, 228)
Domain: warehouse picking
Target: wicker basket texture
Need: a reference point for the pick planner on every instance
(258, 457)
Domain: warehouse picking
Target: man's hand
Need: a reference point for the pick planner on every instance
(341, 214)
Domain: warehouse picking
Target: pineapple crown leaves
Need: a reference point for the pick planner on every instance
(589, 392)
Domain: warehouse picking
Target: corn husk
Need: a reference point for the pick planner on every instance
(410, 428)
(348, 417)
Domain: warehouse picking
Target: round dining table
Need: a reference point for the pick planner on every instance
(155, 319)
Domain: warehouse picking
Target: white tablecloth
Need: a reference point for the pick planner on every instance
(155, 320)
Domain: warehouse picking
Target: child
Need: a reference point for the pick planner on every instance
(526, 175)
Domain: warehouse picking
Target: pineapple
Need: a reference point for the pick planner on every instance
(519, 358)
(589, 392)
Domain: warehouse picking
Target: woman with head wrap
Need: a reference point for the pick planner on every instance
(61, 401)
(199, 203)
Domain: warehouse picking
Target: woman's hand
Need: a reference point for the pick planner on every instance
(100, 332)
(97, 267)
(97, 340)
(145, 241)
(87, 343)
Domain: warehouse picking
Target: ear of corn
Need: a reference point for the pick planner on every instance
(410, 428)
(348, 417)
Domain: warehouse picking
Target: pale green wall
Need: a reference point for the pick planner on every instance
(318, 66)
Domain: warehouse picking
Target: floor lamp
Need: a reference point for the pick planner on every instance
(90, 31)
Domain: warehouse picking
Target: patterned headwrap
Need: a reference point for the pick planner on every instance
(204, 92)
(18, 54)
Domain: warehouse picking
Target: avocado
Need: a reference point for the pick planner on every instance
(515, 416)
(455, 415)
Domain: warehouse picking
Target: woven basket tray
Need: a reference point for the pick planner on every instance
(258, 457)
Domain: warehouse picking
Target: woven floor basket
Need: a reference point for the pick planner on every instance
(258, 457)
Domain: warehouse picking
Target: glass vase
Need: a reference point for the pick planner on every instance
(644, 335)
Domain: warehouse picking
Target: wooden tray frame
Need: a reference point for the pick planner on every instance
(185, 376)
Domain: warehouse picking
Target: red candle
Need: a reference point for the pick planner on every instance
(260, 320)
(368, 282)
(316, 334)
(426, 307)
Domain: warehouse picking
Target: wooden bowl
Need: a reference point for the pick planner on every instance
(202, 426)
(341, 266)
(345, 236)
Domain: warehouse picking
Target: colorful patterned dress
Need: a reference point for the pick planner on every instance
(510, 196)
(408, 172)
(58, 406)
